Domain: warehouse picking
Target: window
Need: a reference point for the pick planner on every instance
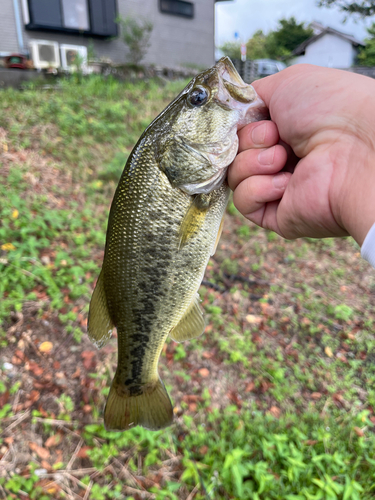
(87, 17)
(75, 14)
(177, 7)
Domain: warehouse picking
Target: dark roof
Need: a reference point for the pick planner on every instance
(301, 48)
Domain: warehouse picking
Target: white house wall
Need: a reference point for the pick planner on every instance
(330, 51)
(175, 40)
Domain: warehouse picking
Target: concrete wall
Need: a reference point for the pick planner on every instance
(175, 40)
(329, 51)
(16, 77)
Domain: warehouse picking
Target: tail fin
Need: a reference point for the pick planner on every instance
(151, 408)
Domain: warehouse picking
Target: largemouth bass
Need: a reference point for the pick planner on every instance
(164, 224)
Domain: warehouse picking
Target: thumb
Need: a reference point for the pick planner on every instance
(292, 79)
(266, 87)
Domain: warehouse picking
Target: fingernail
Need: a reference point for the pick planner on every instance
(266, 157)
(280, 181)
(258, 135)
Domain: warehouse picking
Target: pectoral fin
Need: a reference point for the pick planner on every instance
(218, 236)
(191, 325)
(194, 218)
(99, 325)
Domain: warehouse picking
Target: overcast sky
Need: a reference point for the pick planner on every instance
(248, 16)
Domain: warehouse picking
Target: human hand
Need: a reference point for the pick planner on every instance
(325, 119)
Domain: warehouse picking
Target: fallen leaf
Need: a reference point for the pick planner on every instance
(39, 450)
(235, 398)
(191, 398)
(53, 440)
(33, 396)
(88, 361)
(4, 398)
(35, 368)
(275, 411)
(265, 308)
(203, 372)
(46, 465)
(46, 347)
(52, 488)
(83, 452)
(358, 431)
(8, 246)
(253, 320)
(328, 351)
(316, 395)
(250, 387)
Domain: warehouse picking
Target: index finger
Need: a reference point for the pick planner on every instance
(263, 134)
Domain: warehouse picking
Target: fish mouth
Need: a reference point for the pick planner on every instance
(233, 82)
(235, 93)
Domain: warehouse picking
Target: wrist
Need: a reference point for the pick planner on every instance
(357, 194)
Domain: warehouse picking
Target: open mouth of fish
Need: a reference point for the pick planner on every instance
(233, 93)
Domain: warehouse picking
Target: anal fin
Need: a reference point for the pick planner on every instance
(191, 325)
(99, 324)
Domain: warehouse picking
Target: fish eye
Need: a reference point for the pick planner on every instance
(198, 96)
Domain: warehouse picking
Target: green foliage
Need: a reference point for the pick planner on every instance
(366, 55)
(113, 171)
(280, 43)
(277, 44)
(256, 46)
(290, 34)
(365, 8)
(87, 129)
(231, 49)
(135, 33)
(248, 455)
(343, 312)
(268, 337)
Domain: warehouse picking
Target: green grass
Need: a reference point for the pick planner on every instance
(275, 401)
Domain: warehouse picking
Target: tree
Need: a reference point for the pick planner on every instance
(366, 56)
(256, 46)
(277, 44)
(364, 8)
(135, 34)
(231, 49)
(290, 34)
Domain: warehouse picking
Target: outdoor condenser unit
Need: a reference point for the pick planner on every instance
(73, 56)
(45, 54)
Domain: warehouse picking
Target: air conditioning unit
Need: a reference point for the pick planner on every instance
(45, 54)
(73, 57)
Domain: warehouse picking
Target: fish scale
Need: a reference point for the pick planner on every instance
(160, 236)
